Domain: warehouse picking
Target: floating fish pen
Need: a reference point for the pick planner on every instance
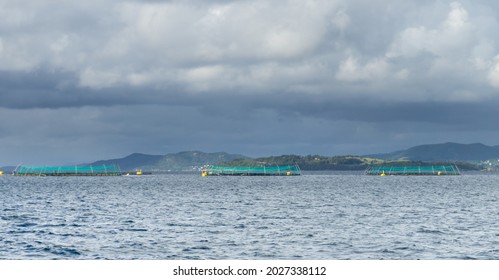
(88, 170)
(413, 170)
(281, 170)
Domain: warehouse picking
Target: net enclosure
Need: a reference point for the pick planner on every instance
(76, 170)
(414, 170)
(277, 170)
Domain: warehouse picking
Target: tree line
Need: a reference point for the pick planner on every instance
(318, 162)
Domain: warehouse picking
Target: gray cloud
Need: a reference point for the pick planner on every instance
(107, 78)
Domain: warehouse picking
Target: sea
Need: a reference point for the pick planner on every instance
(316, 216)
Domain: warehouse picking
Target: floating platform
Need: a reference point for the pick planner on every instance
(276, 170)
(413, 170)
(77, 170)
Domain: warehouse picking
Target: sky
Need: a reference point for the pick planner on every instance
(87, 80)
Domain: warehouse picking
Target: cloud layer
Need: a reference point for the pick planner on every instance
(255, 77)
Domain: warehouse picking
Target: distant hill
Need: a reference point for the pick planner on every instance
(310, 162)
(444, 152)
(183, 161)
(132, 162)
(350, 163)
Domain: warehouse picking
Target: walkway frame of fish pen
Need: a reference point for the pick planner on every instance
(414, 170)
(88, 170)
(278, 170)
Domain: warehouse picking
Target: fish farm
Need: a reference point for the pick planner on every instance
(413, 170)
(88, 170)
(281, 170)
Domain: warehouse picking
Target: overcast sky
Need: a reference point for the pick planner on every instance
(98, 79)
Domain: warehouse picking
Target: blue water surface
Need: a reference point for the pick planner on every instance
(186, 216)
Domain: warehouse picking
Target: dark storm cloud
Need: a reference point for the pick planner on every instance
(42, 89)
(256, 77)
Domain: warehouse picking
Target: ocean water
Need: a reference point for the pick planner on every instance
(319, 216)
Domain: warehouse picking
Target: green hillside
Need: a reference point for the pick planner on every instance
(312, 162)
(340, 163)
(183, 161)
(188, 161)
(444, 152)
(463, 154)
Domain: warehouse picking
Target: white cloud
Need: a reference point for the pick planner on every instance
(341, 20)
(196, 40)
(207, 77)
(60, 44)
(351, 70)
(221, 45)
(457, 18)
(454, 34)
(237, 30)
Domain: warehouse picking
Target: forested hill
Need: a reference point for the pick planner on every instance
(310, 162)
(444, 152)
(194, 160)
(466, 154)
(317, 162)
(430, 154)
(182, 161)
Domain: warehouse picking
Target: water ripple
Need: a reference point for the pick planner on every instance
(306, 217)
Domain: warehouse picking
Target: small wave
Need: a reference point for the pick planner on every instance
(196, 248)
(387, 251)
(27, 225)
(30, 247)
(273, 218)
(61, 251)
(432, 231)
(469, 258)
(136, 229)
(201, 248)
(53, 225)
(34, 256)
(19, 231)
(181, 225)
(43, 232)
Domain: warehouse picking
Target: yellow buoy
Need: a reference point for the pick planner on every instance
(439, 173)
(139, 172)
(382, 174)
(288, 173)
(1, 172)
